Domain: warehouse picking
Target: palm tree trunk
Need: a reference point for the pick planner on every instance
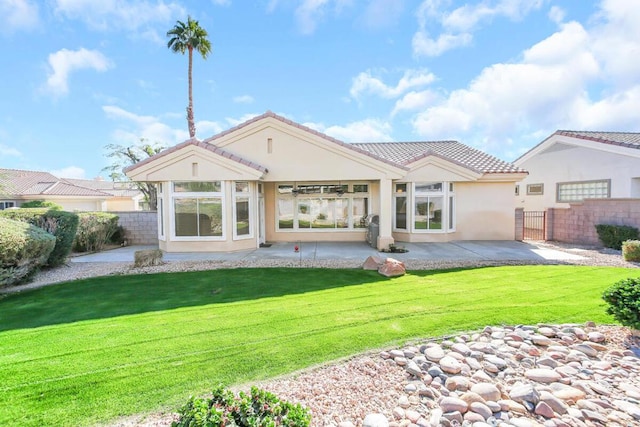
(190, 120)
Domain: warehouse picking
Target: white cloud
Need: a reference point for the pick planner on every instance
(64, 62)
(18, 15)
(9, 151)
(368, 130)
(237, 121)
(423, 45)
(576, 78)
(72, 172)
(365, 83)
(132, 127)
(111, 15)
(243, 99)
(504, 98)
(557, 14)
(382, 13)
(459, 24)
(413, 101)
(221, 2)
(309, 13)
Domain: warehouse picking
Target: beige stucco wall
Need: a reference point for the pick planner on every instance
(563, 162)
(297, 155)
(121, 204)
(483, 211)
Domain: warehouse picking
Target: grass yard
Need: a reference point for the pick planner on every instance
(89, 351)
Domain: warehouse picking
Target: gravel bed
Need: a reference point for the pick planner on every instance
(344, 392)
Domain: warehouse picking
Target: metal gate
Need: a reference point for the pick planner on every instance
(534, 226)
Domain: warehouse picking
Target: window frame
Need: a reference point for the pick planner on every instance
(4, 204)
(291, 194)
(535, 193)
(590, 181)
(173, 196)
(248, 196)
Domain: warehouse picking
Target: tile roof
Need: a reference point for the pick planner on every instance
(14, 182)
(117, 189)
(405, 153)
(624, 139)
(203, 144)
(397, 154)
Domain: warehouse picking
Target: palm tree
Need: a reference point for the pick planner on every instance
(187, 37)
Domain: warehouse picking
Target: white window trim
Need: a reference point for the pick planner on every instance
(249, 196)
(186, 195)
(411, 195)
(407, 195)
(162, 235)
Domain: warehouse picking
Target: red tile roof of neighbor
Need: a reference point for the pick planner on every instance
(397, 154)
(15, 182)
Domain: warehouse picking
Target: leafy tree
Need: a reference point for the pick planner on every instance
(124, 156)
(187, 37)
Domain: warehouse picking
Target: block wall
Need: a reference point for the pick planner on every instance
(141, 227)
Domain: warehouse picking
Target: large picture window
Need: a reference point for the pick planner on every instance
(318, 207)
(578, 191)
(198, 209)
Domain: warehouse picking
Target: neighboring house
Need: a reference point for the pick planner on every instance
(19, 186)
(271, 179)
(570, 166)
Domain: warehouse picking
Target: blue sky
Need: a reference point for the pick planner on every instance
(499, 75)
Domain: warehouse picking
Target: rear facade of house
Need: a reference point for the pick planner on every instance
(273, 180)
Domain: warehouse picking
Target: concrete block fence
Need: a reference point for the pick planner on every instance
(141, 227)
(577, 224)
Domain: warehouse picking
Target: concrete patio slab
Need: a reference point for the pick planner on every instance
(453, 251)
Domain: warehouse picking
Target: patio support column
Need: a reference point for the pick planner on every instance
(385, 215)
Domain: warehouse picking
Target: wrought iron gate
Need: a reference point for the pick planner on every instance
(534, 225)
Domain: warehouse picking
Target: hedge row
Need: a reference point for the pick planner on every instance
(23, 249)
(95, 229)
(63, 225)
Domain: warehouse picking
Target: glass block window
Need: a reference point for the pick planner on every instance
(578, 191)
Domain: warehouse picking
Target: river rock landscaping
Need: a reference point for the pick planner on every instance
(523, 376)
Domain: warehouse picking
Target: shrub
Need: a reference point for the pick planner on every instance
(631, 250)
(612, 236)
(23, 249)
(623, 298)
(95, 230)
(259, 408)
(61, 224)
(41, 204)
(118, 236)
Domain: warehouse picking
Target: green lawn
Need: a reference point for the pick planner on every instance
(89, 351)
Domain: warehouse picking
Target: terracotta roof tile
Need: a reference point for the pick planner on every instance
(405, 153)
(625, 139)
(16, 182)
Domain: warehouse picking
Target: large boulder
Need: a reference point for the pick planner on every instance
(373, 263)
(392, 268)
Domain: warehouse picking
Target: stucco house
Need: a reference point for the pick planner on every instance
(571, 166)
(19, 186)
(273, 180)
